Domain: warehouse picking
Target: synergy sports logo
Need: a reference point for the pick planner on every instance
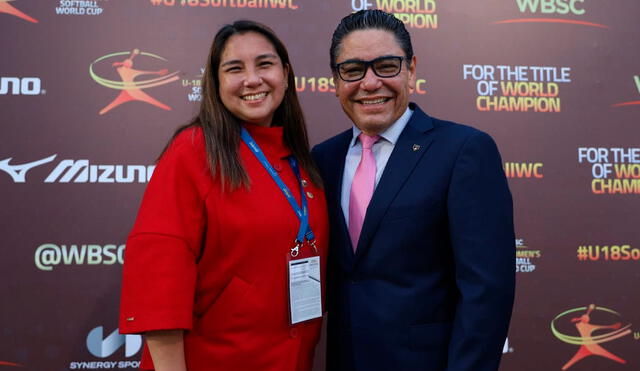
(589, 343)
(517, 88)
(131, 90)
(102, 347)
(80, 171)
(551, 11)
(5, 7)
(636, 80)
(413, 13)
(250, 4)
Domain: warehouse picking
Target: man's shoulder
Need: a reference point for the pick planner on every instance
(445, 128)
(454, 137)
(455, 128)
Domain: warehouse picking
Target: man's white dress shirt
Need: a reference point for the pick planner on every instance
(381, 151)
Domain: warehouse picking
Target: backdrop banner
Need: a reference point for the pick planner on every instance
(90, 92)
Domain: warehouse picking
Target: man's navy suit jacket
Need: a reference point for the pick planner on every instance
(431, 284)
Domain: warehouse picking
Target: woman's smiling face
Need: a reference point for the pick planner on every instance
(252, 78)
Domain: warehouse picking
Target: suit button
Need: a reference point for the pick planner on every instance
(277, 166)
(293, 332)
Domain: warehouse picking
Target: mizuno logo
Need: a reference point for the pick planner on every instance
(19, 172)
(81, 171)
(20, 86)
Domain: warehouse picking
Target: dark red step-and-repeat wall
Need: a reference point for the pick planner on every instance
(555, 82)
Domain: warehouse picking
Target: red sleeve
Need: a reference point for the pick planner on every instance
(159, 274)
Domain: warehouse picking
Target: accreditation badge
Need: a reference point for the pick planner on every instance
(305, 289)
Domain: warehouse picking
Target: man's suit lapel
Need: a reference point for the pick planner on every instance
(410, 147)
(334, 183)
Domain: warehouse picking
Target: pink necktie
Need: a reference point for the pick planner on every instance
(362, 188)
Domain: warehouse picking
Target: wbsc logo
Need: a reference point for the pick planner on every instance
(549, 11)
(80, 171)
(21, 86)
(104, 347)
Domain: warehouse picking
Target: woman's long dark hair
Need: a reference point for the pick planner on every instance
(222, 129)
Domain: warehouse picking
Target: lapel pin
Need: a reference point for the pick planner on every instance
(416, 147)
(304, 183)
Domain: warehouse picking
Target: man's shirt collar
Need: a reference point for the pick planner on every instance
(392, 133)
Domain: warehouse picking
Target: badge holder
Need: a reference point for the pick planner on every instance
(304, 282)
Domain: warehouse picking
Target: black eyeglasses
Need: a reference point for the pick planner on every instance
(354, 70)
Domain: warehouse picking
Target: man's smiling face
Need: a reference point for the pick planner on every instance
(374, 103)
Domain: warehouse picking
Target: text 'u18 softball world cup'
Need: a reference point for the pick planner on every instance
(419, 14)
(526, 257)
(517, 88)
(79, 7)
(614, 170)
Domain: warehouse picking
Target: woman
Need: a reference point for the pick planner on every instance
(209, 261)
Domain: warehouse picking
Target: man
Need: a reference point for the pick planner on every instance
(421, 267)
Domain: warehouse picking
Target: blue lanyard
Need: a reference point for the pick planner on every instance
(302, 212)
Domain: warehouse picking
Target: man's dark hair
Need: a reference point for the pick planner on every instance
(370, 19)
